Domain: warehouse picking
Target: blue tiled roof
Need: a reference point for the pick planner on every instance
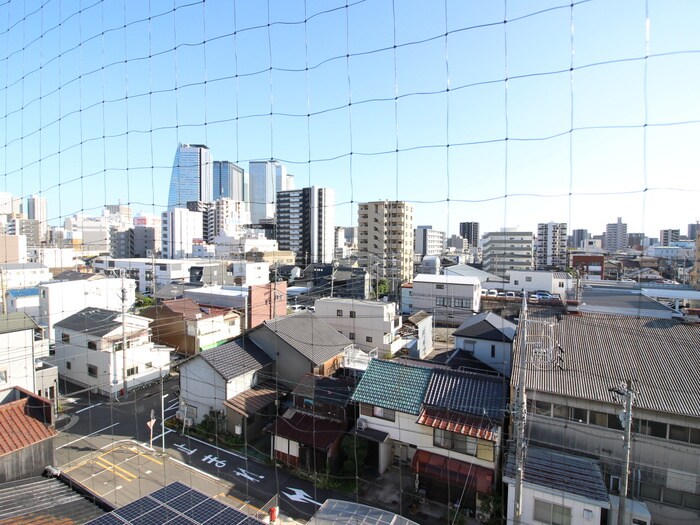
(392, 385)
(467, 392)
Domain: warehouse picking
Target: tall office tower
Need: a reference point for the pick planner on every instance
(230, 181)
(180, 228)
(693, 230)
(470, 232)
(507, 250)
(577, 238)
(428, 241)
(193, 176)
(37, 210)
(266, 179)
(306, 223)
(666, 237)
(615, 236)
(385, 232)
(551, 246)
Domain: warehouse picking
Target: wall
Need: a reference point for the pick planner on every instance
(201, 387)
(27, 462)
(290, 365)
(17, 355)
(266, 302)
(577, 506)
(482, 351)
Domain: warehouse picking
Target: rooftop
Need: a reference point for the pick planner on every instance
(95, 321)
(22, 266)
(306, 429)
(16, 322)
(332, 390)
(488, 326)
(21, 425)
(623, 301)
(341, 512)
(236, 358)
(446, 279)
(467, 392)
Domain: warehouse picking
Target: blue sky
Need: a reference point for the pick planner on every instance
(584, 129)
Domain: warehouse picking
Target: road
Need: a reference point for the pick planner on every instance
(106, 447)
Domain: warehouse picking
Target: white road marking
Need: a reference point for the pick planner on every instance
(87, 408)
(81, 438)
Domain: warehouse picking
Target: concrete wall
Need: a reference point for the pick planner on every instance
(501, 361)
(583, 511)
(201, 387)
(27, 462)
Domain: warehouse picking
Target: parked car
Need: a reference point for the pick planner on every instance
(510, 295)
(493, 293)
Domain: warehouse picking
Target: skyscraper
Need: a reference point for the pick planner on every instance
(36, 210)
(693, 230)
(306, 223)
(470, 232)
(666, 237)
(616, 236)
(230, 181)
(267, 177)
(192, 178)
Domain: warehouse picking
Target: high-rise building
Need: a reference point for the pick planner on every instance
(30, 228)
(37, 210)
(10, 205)
(578, 236)
(615, 236)
(637, 240)
(428, 241)
(266, 179)
(180, 228)
(693, 230)
(230, 181)
(470, 232)
(385, 231)
(551, 246)
(306, 224)
(192, 178)
(507, 250)
(666, 237)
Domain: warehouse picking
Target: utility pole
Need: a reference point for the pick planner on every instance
(520, 414)
(626, 421)
(123, 271)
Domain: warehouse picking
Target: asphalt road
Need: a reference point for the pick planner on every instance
(106, 446)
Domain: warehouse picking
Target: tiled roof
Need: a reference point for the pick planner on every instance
(236, 358)
(16, 322)
(189, 309)
(445, 419)
(393, 385)
(467, 392)
(306, 429)
(487, 326)
(310, 336)
(94, 321)
(599, 352)
(561, 275)
(561, 472)
(18, 429)
(253, 400)
(44, 501)
(332, 390)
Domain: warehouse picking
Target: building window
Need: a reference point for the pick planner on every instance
(528, 279)
(540, 408)
(649, 428)
(461, 303)
(92, 370)
(368, 339)
(132, 371)
(551, 513)
(454, 441)
(149, 364)
(442, 301)
(493, 351)
(439, 286)
(92, 345)
(378, 412)
(118, 346)
(65, 338)
(351, 336)
(3, 377)
(339, 313)
(68, 365)
(516, 282)
(352, 313)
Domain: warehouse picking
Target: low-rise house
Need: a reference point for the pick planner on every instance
(556, 283)
(447, 423)
(300, 344)
(487, 337)
(449, 298)
(349, 282)
(23, 300)
(90, 351)
(417, 330)
(575, 363)
(23, 275)
(214, 378)
(190, 328)
(369, 324)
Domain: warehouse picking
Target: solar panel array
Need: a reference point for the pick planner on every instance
(176, 504)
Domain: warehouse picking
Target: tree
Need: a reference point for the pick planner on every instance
(355, 451)
(382, 288)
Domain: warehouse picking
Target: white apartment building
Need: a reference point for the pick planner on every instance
(615, 236)
(507, 250)
(234, 245)
(556, 283)
(61, 299)
(180, 228)
(90, 351)
(428, 241)
(53, 257)
(385, 236)
(551, 246)
(369, 324)
(451, 299)
(24, 275)
(89, 235)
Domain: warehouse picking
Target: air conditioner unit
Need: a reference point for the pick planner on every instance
(181, 414)
(188, 422)
(361, 424)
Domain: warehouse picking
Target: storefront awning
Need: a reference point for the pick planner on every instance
(452, 471)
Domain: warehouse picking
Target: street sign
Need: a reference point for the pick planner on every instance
(150, 423)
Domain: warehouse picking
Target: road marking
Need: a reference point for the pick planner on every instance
(182, 463)
(300, 496)
(149, 458)
(112, 469)
(81, 438)
(87, 408)
(114, 465)
(241, 456)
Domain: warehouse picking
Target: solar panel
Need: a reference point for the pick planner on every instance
(107, 519)
(187, 501)
(137, 508)
(170, 492)
(205, 510)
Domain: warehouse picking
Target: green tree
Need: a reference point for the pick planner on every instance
(382, 288)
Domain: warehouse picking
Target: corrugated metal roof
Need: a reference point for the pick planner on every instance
(332, 390)
(466, 392)
(236, 358)
(562, 472)
(393, 385)
(16, 322)
(598, 351)
(310, 336)
(487, 326)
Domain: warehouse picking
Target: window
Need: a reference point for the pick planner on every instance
(149, 364)
(3, 377)
(384, 413)
(368, 339)
(65, 338)
(516, 282)
(650, 428)
(132, 371)
(439, 286)
(442, 301)
(68, 365)
(118, 346)
(454, 441)
(599, 419)
(92, 345)
(461, 303)
(351, 336)
(551, 513)
(339, 313)
(92, 370)
(352, 313)
(493, 350)
(528, 279)
(540, 408)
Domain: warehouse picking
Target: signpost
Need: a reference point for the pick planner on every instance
(151, 423)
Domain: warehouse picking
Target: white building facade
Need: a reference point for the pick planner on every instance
(507, 250)
(551, 246)
(180, 229)
(449, 298)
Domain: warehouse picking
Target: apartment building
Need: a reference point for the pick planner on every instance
(429, 241)
(507, 250)
(550, 251)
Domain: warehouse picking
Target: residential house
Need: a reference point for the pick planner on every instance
(487, 337)
(215, 378)
(574, 365)
(26, 435)
(23, 275)
(369, 324)
(309, 433)
(90, 351)
(417, 330)
(446, 422)
(449, 298)
(301, 344)
(190, 328)
(556, 283)
(23, 353)
(23, 300)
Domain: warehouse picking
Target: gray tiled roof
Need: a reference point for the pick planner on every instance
(561, 472)
(467, 392)
(310, 336)
(487, 326)
(16, 322)
(601, 351)
(392, 385)
(236, 358)
(93, 321)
